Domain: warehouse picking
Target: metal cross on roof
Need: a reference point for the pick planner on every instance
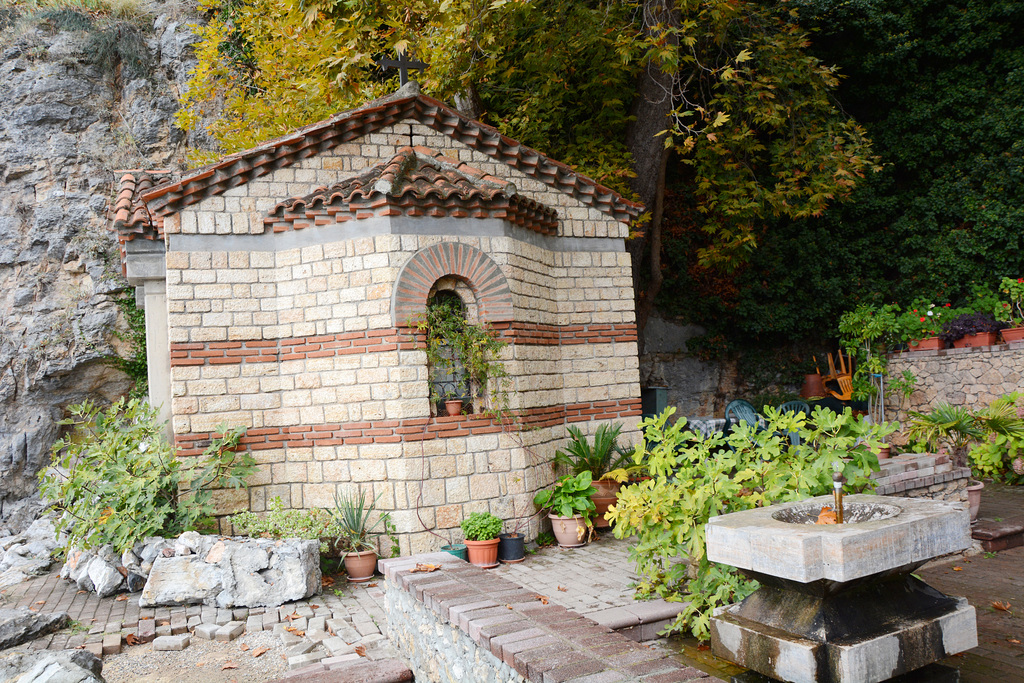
(403, 65)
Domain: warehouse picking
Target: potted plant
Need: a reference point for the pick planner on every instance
(357, 536)
(481, 530)
(462, 357)
(1012, 308)
(955, 427)
(511, 547)
(972, 329)
(600, 459)
(919, 325)
(570, 508)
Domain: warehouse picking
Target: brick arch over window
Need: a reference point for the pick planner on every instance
(428, 265)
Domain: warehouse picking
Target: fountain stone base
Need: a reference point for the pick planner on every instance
(838, 602)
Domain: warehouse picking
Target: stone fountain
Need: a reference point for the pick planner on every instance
(838, 602)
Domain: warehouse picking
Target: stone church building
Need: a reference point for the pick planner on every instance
(279, 285)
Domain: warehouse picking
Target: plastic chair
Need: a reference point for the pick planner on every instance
(740, 411)
(845, 392)
(795, 407)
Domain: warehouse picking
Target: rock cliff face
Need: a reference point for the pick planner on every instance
(66, 124)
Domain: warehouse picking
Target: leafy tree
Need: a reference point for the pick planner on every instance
(743, 111)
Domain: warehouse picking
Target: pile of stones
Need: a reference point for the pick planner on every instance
(196, 569)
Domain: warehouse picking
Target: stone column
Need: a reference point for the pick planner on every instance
(146, 269)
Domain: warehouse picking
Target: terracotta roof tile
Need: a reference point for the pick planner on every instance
(416, 181)
(241, 167)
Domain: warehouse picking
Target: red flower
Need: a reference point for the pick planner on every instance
(948, 305)
(922, 319)
(915, 310)
(1020, 280)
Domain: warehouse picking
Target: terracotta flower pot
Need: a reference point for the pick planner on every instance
(570, 532)
(1013, 334)
(360, 566)
(980, 339)
(974, 488)
(884, 452)
(453, 407)
(813, 386)
(483, 554)
(605, 496)
(928, 344)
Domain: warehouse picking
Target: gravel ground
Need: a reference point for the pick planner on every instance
(203, 660)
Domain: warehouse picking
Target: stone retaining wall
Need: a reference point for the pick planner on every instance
(462, 623)
(971, 377)
(922, 475)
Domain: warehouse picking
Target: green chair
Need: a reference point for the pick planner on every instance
(795, 407)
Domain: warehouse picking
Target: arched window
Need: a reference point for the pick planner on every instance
(446, 332)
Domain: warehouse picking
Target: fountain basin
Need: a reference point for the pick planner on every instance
(758, 540)
(838, 603)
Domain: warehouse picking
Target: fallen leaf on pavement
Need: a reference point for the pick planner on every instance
(542, 599)
(243, 647)
(327, 580)
(702, 647)
(1014, 641)
(122, 597)
(361, 650)
(315, 606)
(130, 639)
(562, 588)
(260, 651)
(422, 567)
(1001, 606)
(229, 665)
(163, 622)
(40, 602)
(372, 585)
(958, 569)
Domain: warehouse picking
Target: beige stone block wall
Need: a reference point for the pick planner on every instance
(971, 377)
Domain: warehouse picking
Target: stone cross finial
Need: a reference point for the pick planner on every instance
(402, 64)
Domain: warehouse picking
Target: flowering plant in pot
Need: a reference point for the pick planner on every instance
(570, 507)
(1011, 308)
(481, 530)
(972, 329)
(919, 326)
(357, 536)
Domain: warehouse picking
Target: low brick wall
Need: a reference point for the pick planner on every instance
(462, 623)
(922, 475)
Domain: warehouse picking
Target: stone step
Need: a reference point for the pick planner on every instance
(639, 621)
(996, 536)
(351, 668)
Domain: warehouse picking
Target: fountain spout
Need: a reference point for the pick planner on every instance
(837, 491)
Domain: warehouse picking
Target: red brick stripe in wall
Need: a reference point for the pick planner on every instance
(412, 429)
(374, 341)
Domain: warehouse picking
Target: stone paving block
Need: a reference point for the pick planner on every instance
(223, 616)
(95, 629)
(95, 648)
(230, 631)
(304, 611)
(163, 630)
(371, 639)
(337, 647)
(316, 624)
(240, 614)
(303, 660)
(146, 631)
(300, 624)
(318, 636)
(171, 643)
(194, 621)
(254, 623)
(112, 627)
(300, 648)
(339, 660)
(288, 639)
(179, 624)
(281, 628)
(193, 610)
(270, 619)
(206, 631)
(111, 643)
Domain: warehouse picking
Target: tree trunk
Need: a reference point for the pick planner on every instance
(650, 159)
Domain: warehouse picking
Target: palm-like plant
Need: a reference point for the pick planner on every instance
(598, 459)
(955, 426)
(352, 514)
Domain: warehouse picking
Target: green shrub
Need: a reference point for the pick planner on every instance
(570, 496)
(481, 526)
(315, 524)
(116, 480)
(1000, 450)
(694, 478)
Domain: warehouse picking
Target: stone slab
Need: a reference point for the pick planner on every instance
(754, 540)
(230, 631)
(206, 631)
(171, 643)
